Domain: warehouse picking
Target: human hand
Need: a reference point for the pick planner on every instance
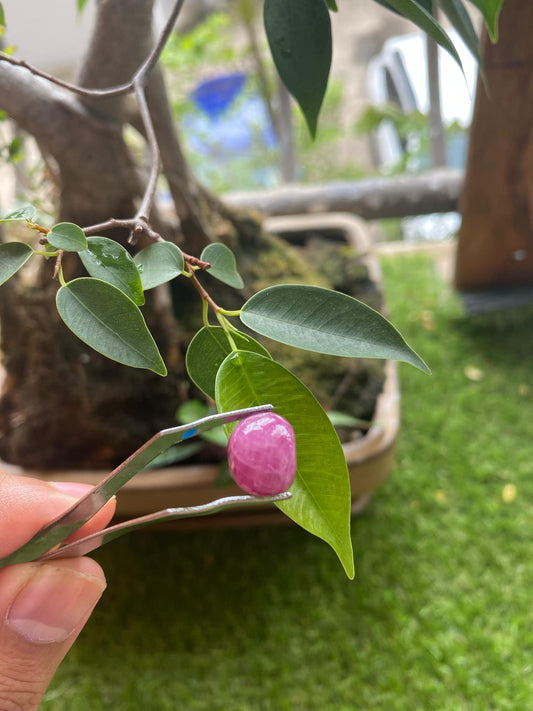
(43, 606)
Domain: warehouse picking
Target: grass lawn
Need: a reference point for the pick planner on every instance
(440, 616)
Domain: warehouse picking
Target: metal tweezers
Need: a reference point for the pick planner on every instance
(48, 542)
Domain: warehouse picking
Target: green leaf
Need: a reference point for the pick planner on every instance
(107, 260)
(216, 436)
(81, 5)
(103, 317)
(207, 351)
(490, 9)
(23, 213)
(460, 19)
(13, 256)
(342, 419)
(223, 266)
(68, 237)
(332, 5)
(191, 410)
(195, 410)
(321, 499)
(175, 454)
(299, 35)
(158, 263)
(325, 321)
(426, 4)
(14, 149)
(223, 477)
(415, 12)
(386, 5)
(2, 16)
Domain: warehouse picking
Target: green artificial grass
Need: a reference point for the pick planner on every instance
(440, 614)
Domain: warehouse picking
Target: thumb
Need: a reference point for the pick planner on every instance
(43, 607)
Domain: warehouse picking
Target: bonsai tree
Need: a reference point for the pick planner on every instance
(92, 351)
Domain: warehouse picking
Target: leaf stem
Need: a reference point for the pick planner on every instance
(227, 330)
(219, 312)
(200, 289)
(205, 312)
(45, 254)
(39, 228)
(59, 274)
(232, 327)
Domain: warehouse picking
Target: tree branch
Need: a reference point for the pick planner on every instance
(175, 167)
(139, 227)
(140, 76)
(149, 193)
(120, 90)
(137, 84)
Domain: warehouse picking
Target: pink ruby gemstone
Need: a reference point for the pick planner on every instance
(262, 454)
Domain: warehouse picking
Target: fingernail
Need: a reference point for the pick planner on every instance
(73, 488)
(53, 603)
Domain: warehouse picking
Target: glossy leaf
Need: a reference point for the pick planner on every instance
(109, 261)
(67, 236)
(107, 320)
(418, 14)
(223, 266)
(22, 213)
(299, 35)
(325, 321)
(490, 9)
(13, 256)
(460, 19)
(342, 419)
(158, 263)
(207, 351)
(321, 498)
